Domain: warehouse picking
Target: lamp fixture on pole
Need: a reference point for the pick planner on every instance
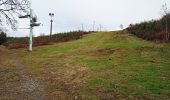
(51, 27)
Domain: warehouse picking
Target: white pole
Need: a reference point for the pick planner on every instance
(31, 31)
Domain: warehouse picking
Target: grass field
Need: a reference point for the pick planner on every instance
(105, 65)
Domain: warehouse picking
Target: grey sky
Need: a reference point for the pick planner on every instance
(70, 14)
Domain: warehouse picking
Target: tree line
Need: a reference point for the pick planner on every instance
(15, 43)
(158, 30)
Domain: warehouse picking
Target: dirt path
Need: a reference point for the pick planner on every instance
(17, 84)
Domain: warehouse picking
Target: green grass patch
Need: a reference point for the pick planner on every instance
(115, 62)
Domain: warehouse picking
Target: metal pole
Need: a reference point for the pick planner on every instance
(51, 28)
(31, 31)
(94, 25)
(82, 27)
(100, 27)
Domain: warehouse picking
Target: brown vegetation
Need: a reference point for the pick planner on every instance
(155, 30)
(16, 43)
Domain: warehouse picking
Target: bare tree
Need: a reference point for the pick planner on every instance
(10, 9)
(165, 12)
(121, 26)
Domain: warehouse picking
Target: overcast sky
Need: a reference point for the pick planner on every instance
(71, 14)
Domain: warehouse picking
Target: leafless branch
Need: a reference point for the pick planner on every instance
(9, 9)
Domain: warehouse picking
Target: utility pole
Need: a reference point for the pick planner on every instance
(94, 25)
(31, 31)
(51, 27)
(100, 27)
(33, 23)
(82, 26)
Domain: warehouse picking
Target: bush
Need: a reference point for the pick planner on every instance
(3, 38)
(151, 30)
(15, 43)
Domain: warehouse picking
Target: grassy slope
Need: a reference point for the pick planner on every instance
(103, 65)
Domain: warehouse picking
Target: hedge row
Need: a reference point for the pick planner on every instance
(152, 30)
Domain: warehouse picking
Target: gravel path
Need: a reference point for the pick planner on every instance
(18, 84)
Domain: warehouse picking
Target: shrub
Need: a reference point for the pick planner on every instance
(15, 43)
(151, 30)
(3, 38)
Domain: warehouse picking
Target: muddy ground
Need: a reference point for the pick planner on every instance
(16, 83)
